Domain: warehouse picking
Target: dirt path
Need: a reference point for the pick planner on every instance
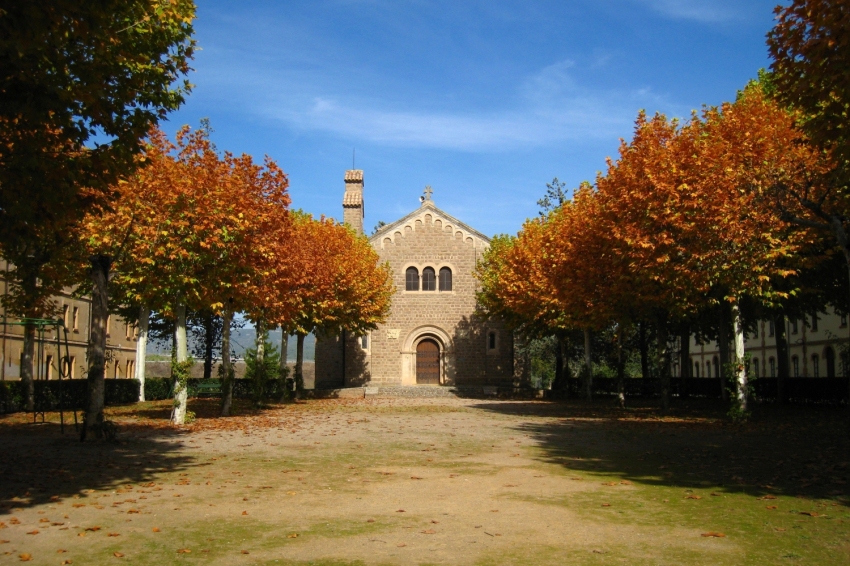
(422, 481)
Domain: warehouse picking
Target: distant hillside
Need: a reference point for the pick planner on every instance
(244, 338)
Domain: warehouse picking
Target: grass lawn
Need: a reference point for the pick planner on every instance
(430, 481)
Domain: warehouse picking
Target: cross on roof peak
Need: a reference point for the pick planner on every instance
(428, 191)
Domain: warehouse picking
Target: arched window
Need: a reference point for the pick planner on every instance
(696, 369)
(795, 364)
(756, 368)
(772, 363)
(829, 356)
(815, 365)
(445, 279)
(429, 279)
(491, 341)
(845, 364)
(716, 367)
(708, 368)
(411, 279)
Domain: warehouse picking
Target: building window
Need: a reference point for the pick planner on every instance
(48, 367)
(716, 367)
(771, 329)
(843, 321)
(108, 324)
(772, 363)
(756, 332)
(829, 356)
(793, 322)
(130, 373)
(445, 279)
(491, 341)
(696, 369)
(429, 279)
(66, 316)
(128, 330)
(708, 369)
(411, 279)
(845, 364)
(76, 320)
(364, 341)
(814, 322)
(815, 365)
(117, 371)
(756, 368)
(795, 365)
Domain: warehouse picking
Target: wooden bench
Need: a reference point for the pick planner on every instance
(210, 388)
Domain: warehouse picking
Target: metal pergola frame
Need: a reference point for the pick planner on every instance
(64, 364)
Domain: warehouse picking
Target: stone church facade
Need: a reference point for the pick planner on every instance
(432, 335)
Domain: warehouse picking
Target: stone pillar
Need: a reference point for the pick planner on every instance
(352, 202)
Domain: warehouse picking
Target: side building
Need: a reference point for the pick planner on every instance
(75, 314)
(432, 335)
(818, 346)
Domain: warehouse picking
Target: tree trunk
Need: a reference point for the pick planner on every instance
(260, 363)
(226, 364)
(588, 367)
(560, 383)
(299, 364)
(27, 366)
(141, 349)
(740, 367)
(100, 266)
(663, 360)
(781, 357)
(723, 346)
(181, 386)
(621, 368)
(209, 342)
(644, 351)
(684, 359)
(285, 379)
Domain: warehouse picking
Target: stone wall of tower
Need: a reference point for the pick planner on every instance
(352, 200)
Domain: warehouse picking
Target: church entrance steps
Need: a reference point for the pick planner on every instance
(425, 391)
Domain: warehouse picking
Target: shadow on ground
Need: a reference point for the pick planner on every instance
(796, 451)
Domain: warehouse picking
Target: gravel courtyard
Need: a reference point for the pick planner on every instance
(430, 481)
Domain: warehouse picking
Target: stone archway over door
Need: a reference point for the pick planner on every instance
(427, 362)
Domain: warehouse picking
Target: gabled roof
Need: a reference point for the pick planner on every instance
(428, 206)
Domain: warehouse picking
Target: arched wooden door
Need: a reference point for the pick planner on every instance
(428, 362)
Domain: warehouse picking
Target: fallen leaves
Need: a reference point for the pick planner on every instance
(33, 532)
(713, 534)
(113, 534)
(93, 529)
(155, 530)
(811, 513)
(184, 551)
(771, 507)
(693, 496)
(429, 532)
(25, 557)
(118, 554)
(292, 535)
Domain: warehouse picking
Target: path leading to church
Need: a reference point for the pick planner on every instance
(430, 481)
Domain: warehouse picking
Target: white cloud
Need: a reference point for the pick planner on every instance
(708, 11)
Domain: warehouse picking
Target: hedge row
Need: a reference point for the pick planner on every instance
(71, 394)
(833, 390)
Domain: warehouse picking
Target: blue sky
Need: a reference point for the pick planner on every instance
(486, 101)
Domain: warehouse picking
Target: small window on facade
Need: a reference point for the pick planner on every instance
(130, 372)
(772, 363)
(843, 320)
(364, 341)
(491, 341)
(756, 332)
(117, 371)
(76, 319)
(429, 279)
(108, 324)
(48, 367)
(795, 365)
(815, 366)
(71, 366)
(708, 369)
(445, 279)
(771, 329)
(756, 368)
(696, 370)
(814, 322)
(793, 326)
(716, 367)
(66, 315)
(411, 279)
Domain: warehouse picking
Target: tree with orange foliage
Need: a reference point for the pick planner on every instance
(331, 282)
(189, 230)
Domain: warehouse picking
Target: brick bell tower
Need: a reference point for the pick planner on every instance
(352, 201)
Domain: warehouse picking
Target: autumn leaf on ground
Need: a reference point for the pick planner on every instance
(61, 551)
(429, 532)
(118, 555)
(767, 497)
(155, 529)
(35, 532)
(400, 545)
(245, 552)
(293, 535)
(44, 520)
(25, 557)
(93, 529)
(713, 534)
(183, 551)
(693, 497)
(811, 513)
(113, 535)
(771, 507)
(64, 562)
(244, 512)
